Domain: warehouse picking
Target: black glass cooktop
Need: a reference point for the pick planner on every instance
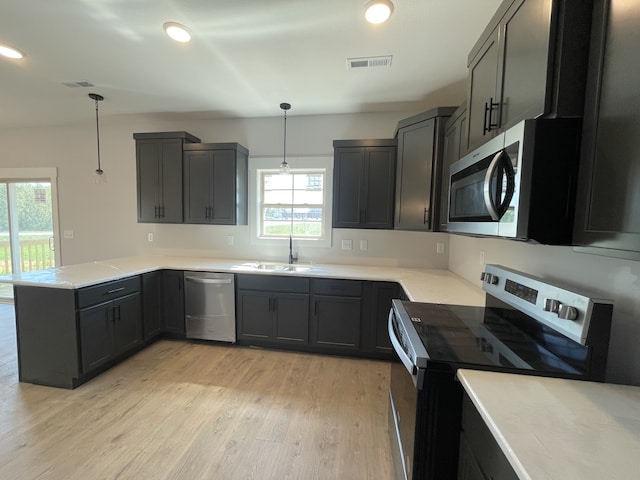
(495, 337)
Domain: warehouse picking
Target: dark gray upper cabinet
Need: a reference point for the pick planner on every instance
(419, 170)
(608, 204)
(529, 62)
(215, 183)
(454, 138)
(363, 183)
(159, 175)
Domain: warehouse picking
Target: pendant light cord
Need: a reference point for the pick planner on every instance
(97, 98)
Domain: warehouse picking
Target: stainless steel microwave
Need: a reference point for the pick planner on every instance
(521, 184)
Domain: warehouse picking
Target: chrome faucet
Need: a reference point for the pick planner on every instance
(293, 258)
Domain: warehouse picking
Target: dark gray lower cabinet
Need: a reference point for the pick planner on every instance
(335, 314)
(173, 303)
(108, 330)
(66, 337)
(272, 309)
(151, 305)
(480, 455)
(376, 303)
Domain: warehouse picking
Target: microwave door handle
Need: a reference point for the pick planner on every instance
(497, 211)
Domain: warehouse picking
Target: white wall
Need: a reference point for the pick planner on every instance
(103, 215)
(618, 280)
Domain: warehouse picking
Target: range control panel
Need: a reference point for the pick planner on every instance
(561, 308)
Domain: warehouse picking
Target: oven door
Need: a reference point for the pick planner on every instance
(406, 380)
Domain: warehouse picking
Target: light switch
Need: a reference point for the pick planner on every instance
(230, 240)
(364, 244)
(68, 234)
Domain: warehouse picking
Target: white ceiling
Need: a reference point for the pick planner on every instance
(246, 56)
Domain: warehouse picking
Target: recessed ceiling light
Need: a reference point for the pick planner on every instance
(10, 52)
(178, 32)
(378, 11)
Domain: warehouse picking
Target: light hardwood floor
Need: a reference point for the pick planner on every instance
(181, 410)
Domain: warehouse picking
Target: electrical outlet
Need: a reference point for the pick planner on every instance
(347, 244)
(439, 247)
(68, 234)
(230, 240)
(150, 237)
(364, 245)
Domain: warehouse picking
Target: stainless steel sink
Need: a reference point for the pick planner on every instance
(281, 267)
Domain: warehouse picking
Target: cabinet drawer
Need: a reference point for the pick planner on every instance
(342, 288)
(273, 283)
(107, 291)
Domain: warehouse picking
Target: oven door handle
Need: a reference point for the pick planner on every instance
(496, 208)
(404, 358)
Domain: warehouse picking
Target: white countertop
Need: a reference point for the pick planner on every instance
(556, 429)
(421, 285)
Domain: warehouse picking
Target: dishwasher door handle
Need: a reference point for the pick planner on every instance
(221, 281)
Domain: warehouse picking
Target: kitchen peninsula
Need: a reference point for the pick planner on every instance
(76, 321)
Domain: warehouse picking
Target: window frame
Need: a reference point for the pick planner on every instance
(259, 164)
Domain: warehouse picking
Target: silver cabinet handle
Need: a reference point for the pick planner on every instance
(115, 290)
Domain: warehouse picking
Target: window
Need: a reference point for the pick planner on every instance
(292, 204)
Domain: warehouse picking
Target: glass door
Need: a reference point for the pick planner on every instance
(26, 229)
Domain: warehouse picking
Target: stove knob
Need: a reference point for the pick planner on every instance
(493, 280)
(483, 276)
(568, 313)
(551, 305)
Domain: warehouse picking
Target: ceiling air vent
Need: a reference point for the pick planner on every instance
(78, 84)
(369, 62)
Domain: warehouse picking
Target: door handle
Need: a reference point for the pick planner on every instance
(496, 208)
(51, 244)
(218, 281)
(488, 125)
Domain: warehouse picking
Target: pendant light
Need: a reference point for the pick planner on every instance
(97, 98)
(284, 166)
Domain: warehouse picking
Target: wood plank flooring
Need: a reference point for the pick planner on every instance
(185, 410)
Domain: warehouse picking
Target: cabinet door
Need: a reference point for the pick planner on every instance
(96, 338)
(452, 152)
(173, 302)
(483, 88)
(526, 34)
(608, 209)
(379, 188)
(376, 303)
(127, 325)
(291, 318)
(197, 186)
(348, 186)
(171, 167)
(151, 304)
(414, 176)
(335, 322)
(159, 171)
(223, 192)
(255, 315)
(148, 177)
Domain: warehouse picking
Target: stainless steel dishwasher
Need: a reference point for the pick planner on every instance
(210, 310)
